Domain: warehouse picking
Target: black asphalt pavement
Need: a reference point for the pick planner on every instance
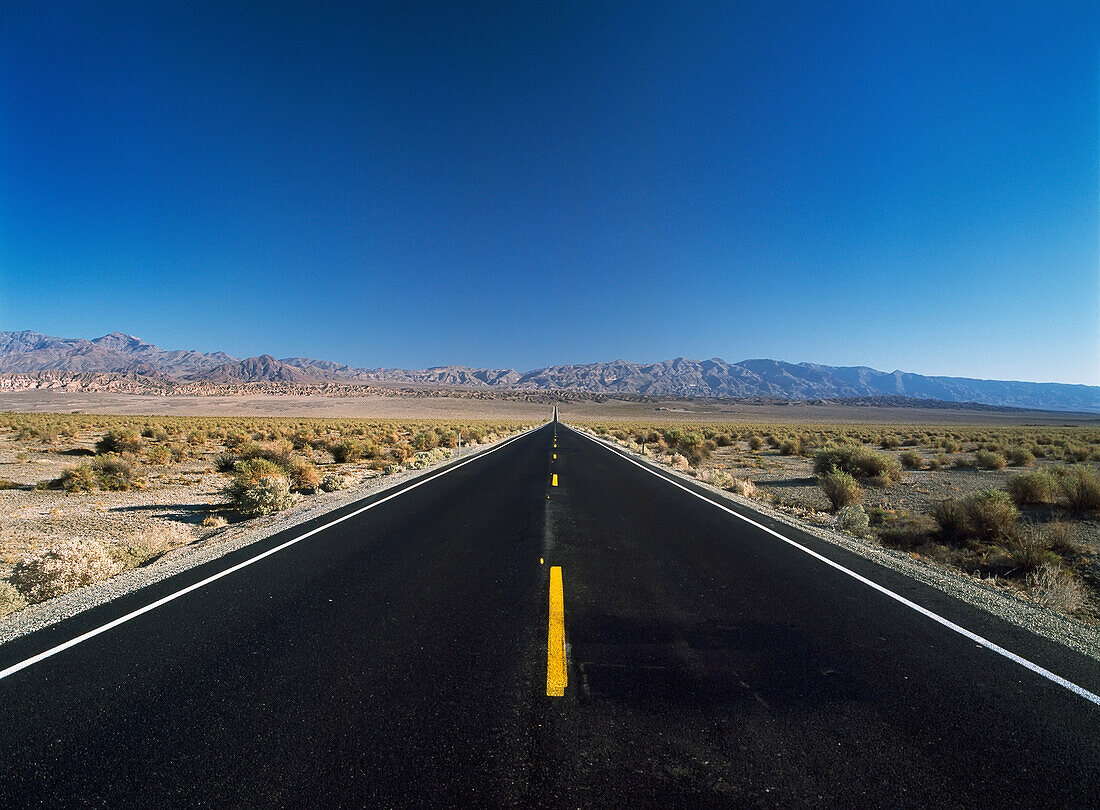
(398, 659)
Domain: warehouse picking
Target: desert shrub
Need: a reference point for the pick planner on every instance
(269, 495)
(912, 460)
(115, 473)
(223, 462)
(1081, 488)
(235, 438)
(196, 438)
(304, 475)
(790, 447)
(679, 462)
(158, 454)
(988, 460)
(214, 522)
(1029, 550)
(62, 568)
(10, 599)
(854, 520)
(903, 529)
(7, 483)
(346, 450)
(81, 478)
(840, 488)
(988, 515)
(180, 452)
(390, 469)
(950, 516)
(743, 487)
(145, 546)
(755, 442)
(857, 461)
(950, 445)
(277, 452)
(718, 478)
(1030, 488)
(124, 440)
(1076, 453)
(427, 439)
(1020, 457)
(1063, 539)
(939, 461)
(1056, 587)
(889, 442)
(333, 482)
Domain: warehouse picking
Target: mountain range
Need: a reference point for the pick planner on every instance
(33, 353)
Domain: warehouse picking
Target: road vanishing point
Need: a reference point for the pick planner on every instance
(548, 624)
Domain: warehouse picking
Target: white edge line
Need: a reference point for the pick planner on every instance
(984, 642)
(34, 659)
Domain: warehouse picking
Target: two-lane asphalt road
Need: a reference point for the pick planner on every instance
(400, 658)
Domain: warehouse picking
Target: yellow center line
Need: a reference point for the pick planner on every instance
(554, 480)
(556, 675)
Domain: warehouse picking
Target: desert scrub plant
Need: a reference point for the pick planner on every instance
(1081, 488)
(988, 460)
(912, 460)
(840, 488)
(10, 599)
(144, 546)
(214, 522)
(62, 568)
(755, 443)
(1020, 457)
(333, 482)
(7, 483)
(1056, 587)
(1037, 487)
(858, 462)
(81, 478)
(123, 440)
(854, 520)
(115, 473)
(265, 497)
(988, 515)
(304, 475)
(159, 454)
(223, 462)
(346, 451)
(1029, 550)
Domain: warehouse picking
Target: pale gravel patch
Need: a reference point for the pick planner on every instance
(1076, 635)
(213, 545)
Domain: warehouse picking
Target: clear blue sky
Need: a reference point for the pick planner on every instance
(517, 184)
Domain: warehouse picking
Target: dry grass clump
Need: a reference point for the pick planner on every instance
(214, 522)
(988, 460)
(1039, 487)
(988, 515)
(1020, 457)
(1029, 550)
(857, 461)
(63, 568)
(303, 474)
(120, 440)
(147, 545)
(1081, 488)
(1058, 588)
(346, 451)
(840, 488)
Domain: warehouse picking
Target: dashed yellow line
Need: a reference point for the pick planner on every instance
(554, 480)
(557, 677)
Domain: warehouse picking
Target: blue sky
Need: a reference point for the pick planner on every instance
(507, 184)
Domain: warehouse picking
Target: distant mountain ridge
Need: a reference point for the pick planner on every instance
(30, 352)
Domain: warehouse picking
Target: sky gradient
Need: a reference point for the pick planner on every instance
(405, 184)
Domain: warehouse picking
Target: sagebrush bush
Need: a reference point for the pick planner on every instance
(854, 520)
(1081, 488)
(1020, 457)
(755, 442)
(122, 440)
(989, 515)
(223, 462)
(347, 451)
(1037, 487)
(62, 568)
(115, 473)
(840, 488)
(1056, 587)
(857, 461)
(988, 460)
(148, 544)
(912, 460)
(304, 475)
(10, 599)
(81, 478)
(333, 482)
(159, 454)
(265, 497)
